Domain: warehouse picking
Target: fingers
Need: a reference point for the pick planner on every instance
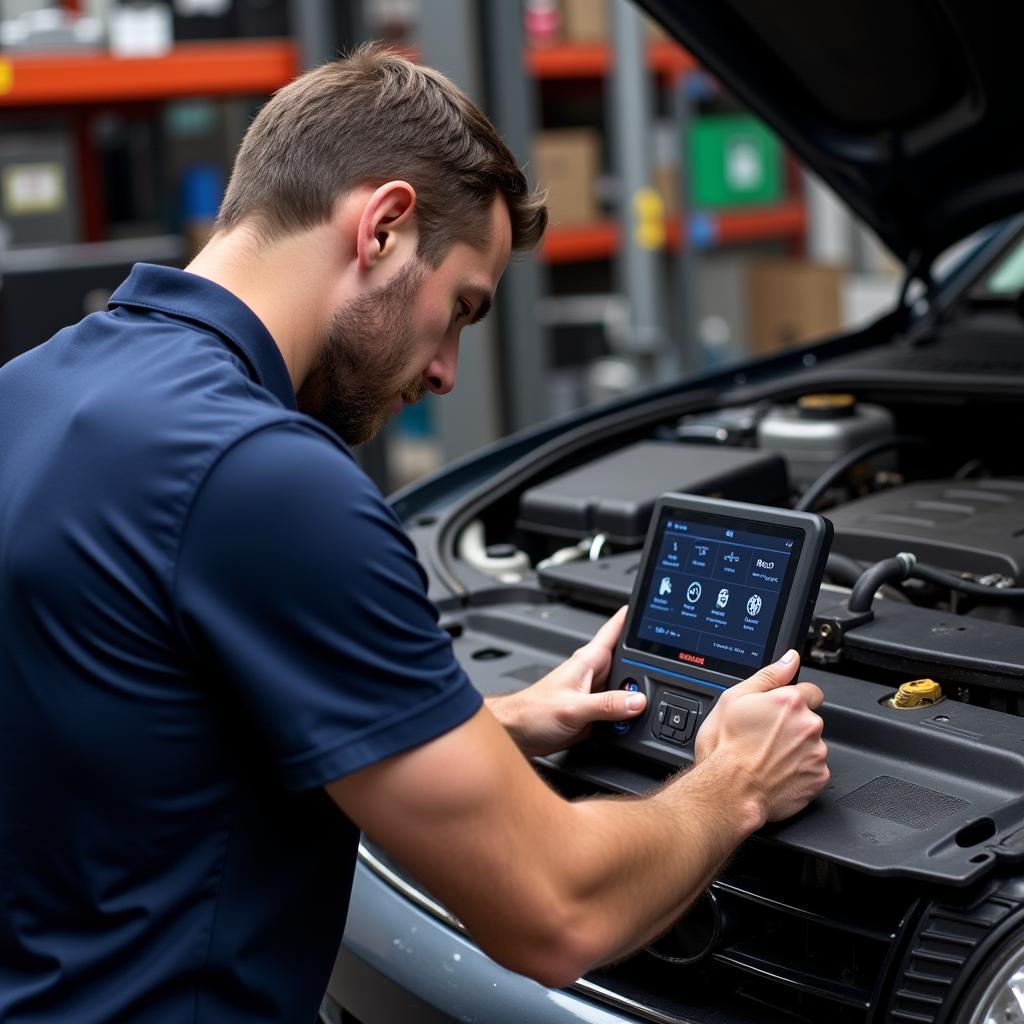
(811, 694)
(771, 677)
(597, 653)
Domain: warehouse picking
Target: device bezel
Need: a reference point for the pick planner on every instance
(804, 574)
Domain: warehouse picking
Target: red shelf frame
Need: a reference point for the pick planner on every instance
(600, 240)
(581, 243)
(256, 66)
(593, 60)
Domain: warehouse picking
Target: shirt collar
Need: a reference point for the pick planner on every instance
(191, 297)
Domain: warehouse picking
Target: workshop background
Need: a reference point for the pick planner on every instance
(683, 236)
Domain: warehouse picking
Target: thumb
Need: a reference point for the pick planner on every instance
(771, 676)
(609, 706)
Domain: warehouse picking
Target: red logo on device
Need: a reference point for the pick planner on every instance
(693, 659)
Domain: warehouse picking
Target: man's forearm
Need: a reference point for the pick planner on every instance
(633, 865)
(688, 829)
(670, 917)
(513, 711)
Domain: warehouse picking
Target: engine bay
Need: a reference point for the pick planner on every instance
(925, 778)
(829, 915)
(930, 476)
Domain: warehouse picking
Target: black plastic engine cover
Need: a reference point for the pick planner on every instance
(614, 495)
(964, 526)
(932, 793)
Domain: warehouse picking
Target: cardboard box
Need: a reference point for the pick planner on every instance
(566, 162)
(790, 303)
(753, 305)
(655, 33)
(584, 21)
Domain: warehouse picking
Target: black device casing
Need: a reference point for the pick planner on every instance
(674, 690)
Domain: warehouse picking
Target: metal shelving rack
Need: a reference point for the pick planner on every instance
(506, 77)
(632, 68)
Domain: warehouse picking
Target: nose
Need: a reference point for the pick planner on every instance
(439, 376)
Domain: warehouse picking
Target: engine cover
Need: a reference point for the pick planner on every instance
(972, 526)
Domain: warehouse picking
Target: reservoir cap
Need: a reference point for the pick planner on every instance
(917, 694)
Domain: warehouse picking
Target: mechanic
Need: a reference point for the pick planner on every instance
(218, 661)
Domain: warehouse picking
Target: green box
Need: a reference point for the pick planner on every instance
(734, 160)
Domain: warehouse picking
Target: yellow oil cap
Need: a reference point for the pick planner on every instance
(918, 693)
(826, 406)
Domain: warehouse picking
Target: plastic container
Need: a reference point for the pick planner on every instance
(820, 429)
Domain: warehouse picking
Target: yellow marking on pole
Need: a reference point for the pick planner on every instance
(649, 210)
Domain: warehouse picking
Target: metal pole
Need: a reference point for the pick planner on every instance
(448, 38)
(315, 31)
(685, 263)
(511, 105)
(640, 264)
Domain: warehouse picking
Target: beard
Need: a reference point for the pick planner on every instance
(362, 357)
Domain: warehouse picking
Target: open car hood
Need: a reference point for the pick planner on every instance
(909, 109)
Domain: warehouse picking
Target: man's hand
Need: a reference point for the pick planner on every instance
(770, 732)
(557, 711)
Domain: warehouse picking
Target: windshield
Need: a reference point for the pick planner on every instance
(1006, 278)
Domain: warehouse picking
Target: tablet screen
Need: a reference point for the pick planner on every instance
(714, 590)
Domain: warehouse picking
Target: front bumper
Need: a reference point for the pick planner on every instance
(398, 963)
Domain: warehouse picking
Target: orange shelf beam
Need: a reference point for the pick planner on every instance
(670, 59)
(594, 60)
(580, 243)
(599, 241)
(732, 227)
(190, 69)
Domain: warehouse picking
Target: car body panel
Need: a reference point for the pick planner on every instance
(399, 963)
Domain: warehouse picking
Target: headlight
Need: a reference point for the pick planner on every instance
(997, 997)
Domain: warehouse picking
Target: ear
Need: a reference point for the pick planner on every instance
(387, 224)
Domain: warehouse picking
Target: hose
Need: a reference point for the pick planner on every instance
(976, 590)
(839, 469)
(843, 570)
(889, 570)
(905, 566)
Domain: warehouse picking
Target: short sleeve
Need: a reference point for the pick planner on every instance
(300, 594)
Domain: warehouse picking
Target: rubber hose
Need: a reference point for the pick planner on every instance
(978, 590)
(889, 570)
(843, 570)
(839, 469)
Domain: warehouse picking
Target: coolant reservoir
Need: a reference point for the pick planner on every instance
(819, 429)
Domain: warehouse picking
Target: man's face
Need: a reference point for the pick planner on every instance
(391, 345)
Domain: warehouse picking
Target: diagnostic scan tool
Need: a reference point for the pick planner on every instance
(723, 589)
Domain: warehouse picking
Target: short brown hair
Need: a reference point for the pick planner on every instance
(372, 117)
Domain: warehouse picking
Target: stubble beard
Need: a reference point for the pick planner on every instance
(363, 355)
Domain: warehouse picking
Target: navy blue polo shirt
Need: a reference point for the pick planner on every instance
(207, 612)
